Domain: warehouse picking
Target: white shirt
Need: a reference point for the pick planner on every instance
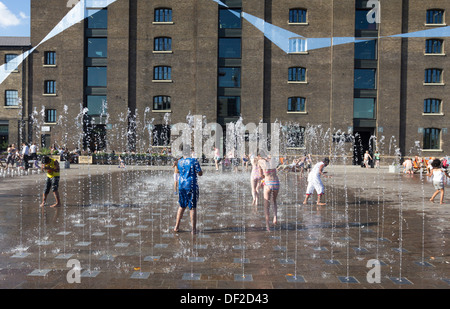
(315, 171)
(25, 150)
(33, 149)
(438, 176)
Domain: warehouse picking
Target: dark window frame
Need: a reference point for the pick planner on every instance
(434, 46)
(163, 15)
(432, 106)
(162, 103)
(299, 105)
(11, 98)
(298, 16)
(434, 76)
(297, 74)
(162, 72)
(435, 17)
(162, 43)
(50, 87)
(431, 139)
(50, 116)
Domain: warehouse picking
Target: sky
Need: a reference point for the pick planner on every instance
(14, 17)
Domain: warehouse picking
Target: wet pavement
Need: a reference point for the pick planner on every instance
(114, 230)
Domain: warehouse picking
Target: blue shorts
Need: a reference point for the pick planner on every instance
(188, 198)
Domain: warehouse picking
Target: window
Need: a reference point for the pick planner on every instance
(97, 105)
(161, 135)
(4, 136)
(295, 136)
(162, 73)
(163, 15)
(361, 22)
(229, 106)
(50, 58)
(366, 50)
(297, 45)
(364, 108)
(230, 48)
(433, 46)
(97, 19)
(229, 77)
(97, 47)
(433, 76)
(49, 87)
(296, 104)
(96, 77)
(365, 79)
(435, 16)
(297, 74)
(11, 98)
(431, 138)
(161, 103)
(50, 115)
(163, 44)
(432, 106)
(297, 16)
(230, 19)
(8, 58)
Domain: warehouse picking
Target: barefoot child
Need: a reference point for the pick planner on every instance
(51, 166)
(176, 175)
(271, 187)
(188, 190)
(315, 182)
(438, 175)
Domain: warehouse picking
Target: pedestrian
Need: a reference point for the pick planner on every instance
(255, 179)
(408, 166)
(315, 181)
(11, 157)
(217, 157)
(271, 187)
(376, 157)
(188, 191)
(51, 166)
(176, 175)
(33, 151)
(25, 155)
(367, 157)
(438, 175)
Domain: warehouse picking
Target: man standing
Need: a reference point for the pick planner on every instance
(33, 151)
(188, 191)
(25, 155)
(51, 166)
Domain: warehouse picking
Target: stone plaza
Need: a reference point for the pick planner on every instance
(114, 230)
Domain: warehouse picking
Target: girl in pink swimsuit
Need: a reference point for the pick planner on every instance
(271, 188)
(255, 179)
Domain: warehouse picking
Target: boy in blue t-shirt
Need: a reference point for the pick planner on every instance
(188, 191)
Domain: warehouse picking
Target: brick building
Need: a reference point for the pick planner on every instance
(141, 66)
(14, 91)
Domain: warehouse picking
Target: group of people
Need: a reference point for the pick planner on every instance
(410, 165)
(368, 158)
(263, 176)
(20, 157)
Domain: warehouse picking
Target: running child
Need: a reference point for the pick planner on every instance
(315, 181)
(438, 175)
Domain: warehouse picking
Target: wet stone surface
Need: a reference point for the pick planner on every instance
(118, 224)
